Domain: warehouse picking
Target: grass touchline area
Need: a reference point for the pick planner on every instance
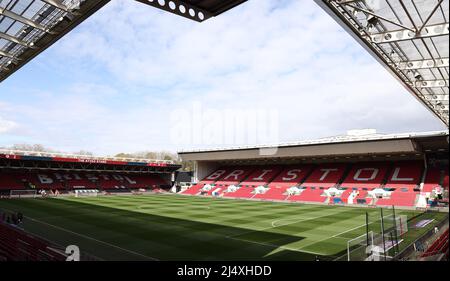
(176, 227)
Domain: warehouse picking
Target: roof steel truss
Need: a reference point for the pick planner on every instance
(410, 38)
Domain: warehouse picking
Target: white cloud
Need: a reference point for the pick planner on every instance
(6, 125)
(145, 65)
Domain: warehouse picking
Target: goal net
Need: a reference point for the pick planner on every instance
(371, 247)
(23, 194)
(359, 248)
(86, 193)
(402, 225)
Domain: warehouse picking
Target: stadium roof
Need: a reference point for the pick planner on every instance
(337, 146)
(81, 158)
(28, 27)
(409, 38)
(198, 10)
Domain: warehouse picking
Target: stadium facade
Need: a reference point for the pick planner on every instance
(66, 173)
(381, 170)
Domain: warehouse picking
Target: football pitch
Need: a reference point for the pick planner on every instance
(176, 227)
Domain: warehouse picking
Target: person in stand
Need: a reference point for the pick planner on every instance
(19, 217)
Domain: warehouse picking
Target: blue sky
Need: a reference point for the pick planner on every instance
(133, 78)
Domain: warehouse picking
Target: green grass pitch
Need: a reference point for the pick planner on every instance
(176, 227)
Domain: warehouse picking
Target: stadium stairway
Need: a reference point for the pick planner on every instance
(214, 189)
(345, 195)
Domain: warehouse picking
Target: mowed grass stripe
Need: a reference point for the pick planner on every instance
(172, 227)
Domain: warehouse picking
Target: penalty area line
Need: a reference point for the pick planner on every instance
(276, 246)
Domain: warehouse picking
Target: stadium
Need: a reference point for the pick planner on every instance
(361, 196)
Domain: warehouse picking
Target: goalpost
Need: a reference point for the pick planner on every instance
(23, 194)
(398, 223)
(381, 239)
(360, 248)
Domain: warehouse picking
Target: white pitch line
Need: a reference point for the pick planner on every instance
(352, 229)
(317, 241)
(93, 239)
(334, 236)
(299, 249)
(276, 246)
(267, 228)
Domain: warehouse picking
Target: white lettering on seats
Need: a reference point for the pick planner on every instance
(261, 177)
(293, 174)
(44, 179)
(63, 176)
(326, 172)
(395, 176)
(235, 174)
(91, 177)
(358, 176)
(130, 181)
(216, 175)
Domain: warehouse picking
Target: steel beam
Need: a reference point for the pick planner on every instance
(405, 34)
(431, 84)
(4, 54)
(22, 19)
(423, 64)
(13, 39)
(57, 4)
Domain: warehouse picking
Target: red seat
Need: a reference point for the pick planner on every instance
(274, 193)
(261, 176)
(210, 179)
(405, 174)
(399, 198)
(75, 180)
(369, 175)
(326, 175)
(10, 181)
(445, 180)
(193, 190)
(439, 246)
(16, 245)
(234, 176)
(309, 195)
(345, 195)
(432, 179)
(290, 176)
(242, 192)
